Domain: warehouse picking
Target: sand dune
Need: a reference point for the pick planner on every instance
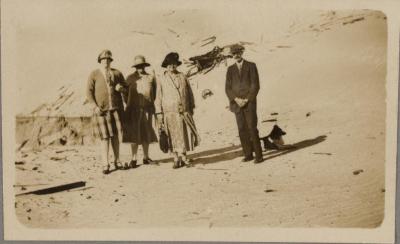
(327, 84)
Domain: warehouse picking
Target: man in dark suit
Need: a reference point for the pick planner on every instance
(241, 87)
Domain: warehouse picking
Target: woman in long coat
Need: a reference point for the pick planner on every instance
(139, 111)
(174, 109)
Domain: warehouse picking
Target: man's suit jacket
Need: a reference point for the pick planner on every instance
(245, 84)
(100, 93)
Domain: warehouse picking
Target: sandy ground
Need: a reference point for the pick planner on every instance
(337, 77)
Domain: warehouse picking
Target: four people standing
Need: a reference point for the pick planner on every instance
(171, 99)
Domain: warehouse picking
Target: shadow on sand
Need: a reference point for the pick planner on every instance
(222, 153)
(295, 147)
(232, 152)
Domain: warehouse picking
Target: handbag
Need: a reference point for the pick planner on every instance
(164, 141)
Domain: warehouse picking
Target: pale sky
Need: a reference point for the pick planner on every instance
(58, 41)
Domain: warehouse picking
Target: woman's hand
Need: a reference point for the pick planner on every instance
(160, 120)
(119, 88)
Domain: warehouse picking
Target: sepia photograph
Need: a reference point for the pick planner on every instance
(172, 120)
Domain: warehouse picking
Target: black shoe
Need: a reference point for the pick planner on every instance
(132, 164)
(106, 170)
(247, 159)
(258, 160)
(147, 161)
(118, 165)
(176, 165)
(126, 166)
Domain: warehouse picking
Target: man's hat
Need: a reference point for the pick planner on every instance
(236, 48)
(171, 58)
(140, 61)
(105, 54)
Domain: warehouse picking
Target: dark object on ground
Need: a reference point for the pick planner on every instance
(35, 168)
(209, 40)
(202, 64)
(356, 172)
(67, 150)
(329, 154)
(55, 189)
(308, 114)
(383, 190)
(206, 93)
(274, 140)
(269, 190)
(63, 140)
(353, 21)
(19, 162)
(273, 114)
(22, 145)
(206, 62)
(269, 120)
(58, 158)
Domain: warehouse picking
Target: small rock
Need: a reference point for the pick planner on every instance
(88, 197)
(308, 114)
(23, 188)
(28, 210)
(356, 172)
(269, 190)
(19, 162)
(116, 200)
(269, 120)
(35, 168)
(29, 218)
(383, 190)
(273, 114)
(244, 215)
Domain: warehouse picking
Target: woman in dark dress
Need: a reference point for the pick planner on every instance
(139, 111)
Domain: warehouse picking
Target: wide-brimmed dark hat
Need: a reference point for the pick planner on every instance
(171, 58)
(236, 48)
(140, 61)
(105, 54)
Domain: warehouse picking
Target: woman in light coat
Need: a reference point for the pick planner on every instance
(174, 110)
